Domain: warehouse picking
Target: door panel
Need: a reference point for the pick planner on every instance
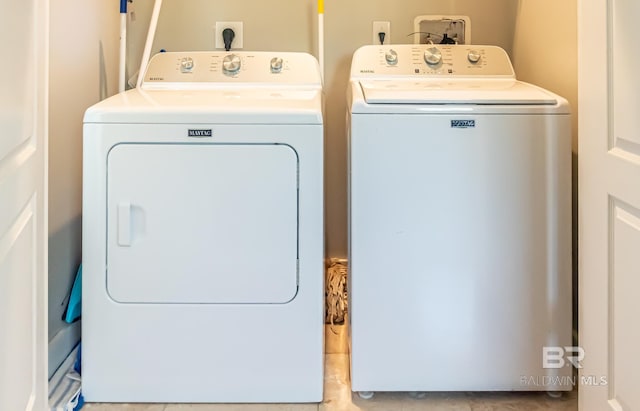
(609, 204)
(17, 100)
(624, 338)
(202, 223)
(624, 76)
(17, 290)
(23, 271)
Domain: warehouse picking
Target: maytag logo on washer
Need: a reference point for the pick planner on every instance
(463, 123)
(200, 133)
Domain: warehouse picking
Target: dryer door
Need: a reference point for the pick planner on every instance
(191, 223)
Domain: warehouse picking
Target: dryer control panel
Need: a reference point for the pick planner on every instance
(431, 60)
(197, 69)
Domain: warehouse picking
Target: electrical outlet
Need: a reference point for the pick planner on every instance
(381, 27)
(236, 26)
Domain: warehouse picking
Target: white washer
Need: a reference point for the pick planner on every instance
(203, 233)
(460, 223)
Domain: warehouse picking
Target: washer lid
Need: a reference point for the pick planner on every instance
(476, 92)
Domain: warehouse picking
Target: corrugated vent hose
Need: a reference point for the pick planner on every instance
(336, 291)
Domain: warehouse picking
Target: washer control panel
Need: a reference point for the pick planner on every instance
(431, 60)
(198, 68)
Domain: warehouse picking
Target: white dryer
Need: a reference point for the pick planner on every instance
(203, 233)
(459, 223)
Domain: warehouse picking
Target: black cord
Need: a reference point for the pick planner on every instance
(228, 35)
(447, 40)
(381, 36)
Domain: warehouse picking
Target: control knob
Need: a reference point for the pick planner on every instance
(392, 57)
(276, 65)
(186, 65)
(432, 56)
(474, 56)
(231, 64)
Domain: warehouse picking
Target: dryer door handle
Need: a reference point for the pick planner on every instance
(124, 224)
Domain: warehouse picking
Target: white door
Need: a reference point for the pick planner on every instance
(202, 224)
(609, 175)
(23, 204)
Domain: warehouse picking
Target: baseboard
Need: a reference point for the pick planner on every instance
(61, 345)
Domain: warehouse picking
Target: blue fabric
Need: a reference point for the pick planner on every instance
(74, 307)
(80, 403)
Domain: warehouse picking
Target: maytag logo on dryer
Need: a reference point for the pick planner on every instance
(200, 132)
(463, 123)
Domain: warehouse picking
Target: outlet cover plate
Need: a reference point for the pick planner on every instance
(236, 26)
(378, 27)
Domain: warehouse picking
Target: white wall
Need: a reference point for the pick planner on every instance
(291, 25)
(83, 69)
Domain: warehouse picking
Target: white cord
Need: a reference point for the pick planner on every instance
(151, 34)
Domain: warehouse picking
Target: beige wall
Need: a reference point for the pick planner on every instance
(545, 49)
(83, 69)
(290, 25)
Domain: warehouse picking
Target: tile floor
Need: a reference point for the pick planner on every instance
(338, 396)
